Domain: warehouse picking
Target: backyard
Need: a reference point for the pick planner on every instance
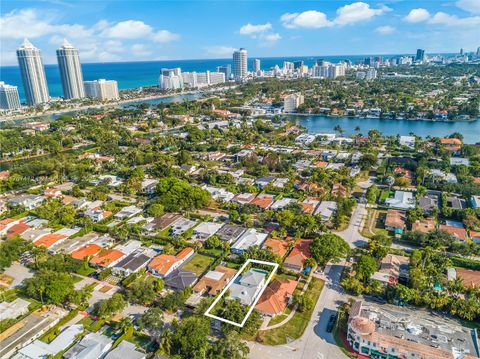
(198, 264)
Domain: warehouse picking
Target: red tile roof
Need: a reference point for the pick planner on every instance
(275, 298)
(87, 251)
(105, 259)
(299, 253)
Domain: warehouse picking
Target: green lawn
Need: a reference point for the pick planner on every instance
(281, 317)
(295, 327)
(143, 341)
(384, 195)
(198, 264)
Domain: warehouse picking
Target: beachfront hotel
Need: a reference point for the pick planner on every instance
(102, 89)
(33, 74)
(9, 99)
(70, 71)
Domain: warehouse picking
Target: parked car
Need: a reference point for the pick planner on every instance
(331, 322)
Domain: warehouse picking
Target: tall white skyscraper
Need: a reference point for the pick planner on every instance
(70, 71)
(256, 65)
(240, 68)
(33, 73)
(102, 89)
(9, 99)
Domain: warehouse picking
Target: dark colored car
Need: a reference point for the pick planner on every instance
(331, 323)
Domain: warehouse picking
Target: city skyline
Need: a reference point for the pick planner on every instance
(124, 33)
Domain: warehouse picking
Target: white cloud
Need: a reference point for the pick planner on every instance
(163, 36)
(221, 51)
(385, 30)
(442, 18)
(273, 37)
(103, 41)
(250, 29)
(29, 23)
(114, 46)
(358, 12)
(310, 19)
(129, 29)
(417, 15)
(346, 15)
(472, 6)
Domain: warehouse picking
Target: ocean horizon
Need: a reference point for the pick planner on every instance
(135, 74)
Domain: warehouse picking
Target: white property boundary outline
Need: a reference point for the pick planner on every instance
(252, 306)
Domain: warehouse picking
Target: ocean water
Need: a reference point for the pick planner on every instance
(137, 74)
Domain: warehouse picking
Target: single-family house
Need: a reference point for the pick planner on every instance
(263, 200)
(181, 226)
(298, 255)
(243, 198)
(127, 212)
(392, 269)
(125, 350)
(395, 221)
(264, 181)
(214, 281)
(29, 201)
(458, 233)
(205, 230)
(133, 262)
(87, 251)
(276, 297)
(94, 345)
(180, 279)
(277, 246)
(407, 141)
(161, 223)
(326, 209)
(453, 145)
(456, 203)
(164, 264)
(428, 202)
(282, 203)
(107, 259)
(457, 161)
(13, 309)
(249, 238)
(424, 225)
(310, 204)
(401, 200)
(230, 232)
(247, 287)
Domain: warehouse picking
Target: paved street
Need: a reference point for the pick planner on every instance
(316, 343)
(352, 233)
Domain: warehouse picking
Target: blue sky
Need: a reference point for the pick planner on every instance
(124, 30)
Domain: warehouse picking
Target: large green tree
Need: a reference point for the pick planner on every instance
(329, 248)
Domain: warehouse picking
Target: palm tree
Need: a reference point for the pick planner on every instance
(165, 341)
(338, 129)
(231, 346)
(124, 325)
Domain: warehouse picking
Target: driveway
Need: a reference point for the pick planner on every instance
(19, 273)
